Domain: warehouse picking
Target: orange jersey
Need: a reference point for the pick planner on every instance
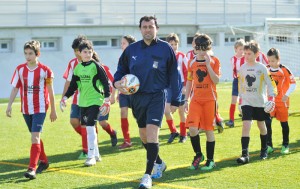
(203, 87)
(283, 78)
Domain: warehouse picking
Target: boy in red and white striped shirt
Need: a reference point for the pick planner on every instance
(182, 61)
(236, 61)
(35, 83)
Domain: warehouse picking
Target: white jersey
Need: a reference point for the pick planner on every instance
(254, 81)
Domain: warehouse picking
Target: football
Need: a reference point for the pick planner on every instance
(269, 106)
(131, 83)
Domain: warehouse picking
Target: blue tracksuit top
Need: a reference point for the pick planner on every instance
(155, 66)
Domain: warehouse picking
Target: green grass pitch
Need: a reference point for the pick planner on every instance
(123, 169)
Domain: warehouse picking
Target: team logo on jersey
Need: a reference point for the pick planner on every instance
(31, 89)
(155, 64)
(201, 75)
(85, 76)
(250, 80)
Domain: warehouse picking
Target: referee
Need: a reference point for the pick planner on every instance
(154, 63)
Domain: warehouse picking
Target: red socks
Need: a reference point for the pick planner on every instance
(84, 139)
(125, 129)
(43, 156)
(34, 155)
(182, 129)
(171, 126)
(231, 112)
(78, 129)
(109, 130)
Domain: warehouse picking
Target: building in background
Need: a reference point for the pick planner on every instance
(56, 23)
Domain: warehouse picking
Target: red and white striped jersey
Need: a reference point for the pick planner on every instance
(32, 85)
(182, 64)
(262, 58)
(236, 64)
(109, 75)
(190, 55)
(68, 76)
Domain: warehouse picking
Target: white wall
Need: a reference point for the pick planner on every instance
(58, 60)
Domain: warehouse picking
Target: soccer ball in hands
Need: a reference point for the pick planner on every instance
(131, 84)
(269, 106)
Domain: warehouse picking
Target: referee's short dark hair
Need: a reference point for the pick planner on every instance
(147, 19)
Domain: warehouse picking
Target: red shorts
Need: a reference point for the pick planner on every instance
(201, 114)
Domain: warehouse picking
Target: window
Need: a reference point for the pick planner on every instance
(5, 45)
(114, 42)
(105, 42)
(281, 39)
(190, 40)
(231, 39)
(98, 43)
(247, 38)
(49, 44)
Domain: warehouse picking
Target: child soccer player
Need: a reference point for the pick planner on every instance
(34, 80)
(236, 61)
(254, 79)
(191, 55)
(124, 101)
(203, 75)
(182, 61)
(75, 110)
(286, 84)
(91, 80)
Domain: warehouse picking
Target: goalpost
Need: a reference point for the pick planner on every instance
(284, 34)
(281, 33)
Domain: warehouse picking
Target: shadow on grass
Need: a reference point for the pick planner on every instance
(116, 185)
(11, 171)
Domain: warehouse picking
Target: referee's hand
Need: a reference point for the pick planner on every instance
(121, 86)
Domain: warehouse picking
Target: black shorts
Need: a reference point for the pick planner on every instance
(148, 108)
(89, 115)
(253, 113)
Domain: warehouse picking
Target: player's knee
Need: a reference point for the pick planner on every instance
(103, 124)
(74, 122)
(194, 131)
(35, 138)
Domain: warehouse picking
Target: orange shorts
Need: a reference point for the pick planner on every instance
(201, 114)
(281, 112)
